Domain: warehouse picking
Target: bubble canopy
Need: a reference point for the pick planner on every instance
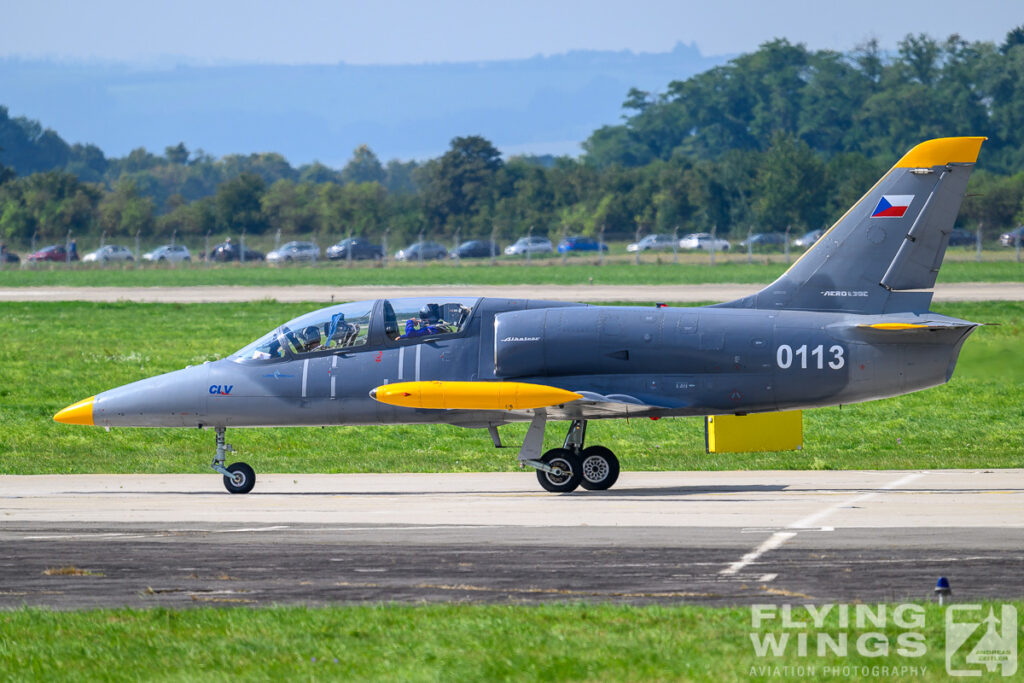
(360, 325)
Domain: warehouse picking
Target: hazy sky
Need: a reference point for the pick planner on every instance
(392, 31)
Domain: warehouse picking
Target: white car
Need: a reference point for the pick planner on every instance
(652, 242)
(110, 252)
(532, 245)
(294, 251)
(168, 252)
(703, 240)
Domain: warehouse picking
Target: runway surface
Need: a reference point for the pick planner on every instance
(966, 291)
(672, 537)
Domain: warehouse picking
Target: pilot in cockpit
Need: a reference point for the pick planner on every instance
(309, 339)
(428, 323)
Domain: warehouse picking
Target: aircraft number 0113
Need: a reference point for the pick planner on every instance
(785, 356)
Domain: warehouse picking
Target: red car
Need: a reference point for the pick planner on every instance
(54, 252)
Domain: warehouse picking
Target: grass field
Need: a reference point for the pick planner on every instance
(451, 643)
(691, 269)
(58, 353)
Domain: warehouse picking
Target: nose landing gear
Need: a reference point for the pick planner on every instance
(238, 477)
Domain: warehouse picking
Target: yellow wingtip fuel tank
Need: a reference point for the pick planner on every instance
(472, 395)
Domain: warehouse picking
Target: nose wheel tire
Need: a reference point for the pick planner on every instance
(599, 468)
(242, 478)
(567, 472)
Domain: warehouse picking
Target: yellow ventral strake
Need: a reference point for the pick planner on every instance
(472, 395)
(942, 151)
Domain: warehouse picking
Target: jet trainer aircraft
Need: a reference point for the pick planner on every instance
(848, 322)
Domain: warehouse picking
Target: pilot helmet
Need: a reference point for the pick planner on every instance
(310, 338)
(431, 313)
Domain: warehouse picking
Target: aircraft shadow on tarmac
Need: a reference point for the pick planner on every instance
(613, 493)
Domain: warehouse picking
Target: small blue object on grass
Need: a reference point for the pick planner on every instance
(942, 588)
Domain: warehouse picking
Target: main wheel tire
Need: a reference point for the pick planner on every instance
(599, 468)
(570, 473)
(242, 478)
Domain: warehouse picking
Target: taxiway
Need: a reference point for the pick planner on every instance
(707, 537)
(596, 293)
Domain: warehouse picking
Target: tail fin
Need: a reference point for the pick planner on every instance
(892, 240)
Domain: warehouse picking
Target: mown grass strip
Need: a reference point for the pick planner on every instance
(461, 642)
(692, 269)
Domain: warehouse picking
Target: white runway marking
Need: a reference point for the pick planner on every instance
(810, 520)
(765, 578)
(780, 537)
(773, 542)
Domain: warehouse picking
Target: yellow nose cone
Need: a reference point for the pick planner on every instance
(77, 413)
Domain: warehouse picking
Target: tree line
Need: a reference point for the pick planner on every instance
(783, 137)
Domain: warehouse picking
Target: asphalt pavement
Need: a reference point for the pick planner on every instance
(720, 538)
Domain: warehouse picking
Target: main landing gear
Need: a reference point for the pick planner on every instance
(238, 477)
(561, 470)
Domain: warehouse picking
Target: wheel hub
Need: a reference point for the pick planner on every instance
(595, 469)
(560, 472)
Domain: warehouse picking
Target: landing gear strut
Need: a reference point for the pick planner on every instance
(238, 477)
(598, 465)
(561, 470)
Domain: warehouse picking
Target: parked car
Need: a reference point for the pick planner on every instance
(653, 243)
(702, 240)
(294, 251)
(110, 252)
(809, 238)
(11, 257)
(360, 248)
(962, 238)
(764, 239)
(422, 250)
(1009, 239)
(168, 252)
(229, 251)
(533, 245)
(476, 249)
(54, 252)
(579, 243)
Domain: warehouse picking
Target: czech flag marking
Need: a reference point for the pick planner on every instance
(892, 206)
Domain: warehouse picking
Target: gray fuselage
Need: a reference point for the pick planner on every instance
(627, 361)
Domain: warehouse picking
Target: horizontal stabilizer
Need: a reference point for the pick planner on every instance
(439, 395)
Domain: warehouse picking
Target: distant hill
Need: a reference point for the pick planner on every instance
(538, 106)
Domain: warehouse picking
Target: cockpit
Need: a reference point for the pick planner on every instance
(362, 325)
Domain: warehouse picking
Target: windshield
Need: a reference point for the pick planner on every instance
(334, 328)
(426, 317)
